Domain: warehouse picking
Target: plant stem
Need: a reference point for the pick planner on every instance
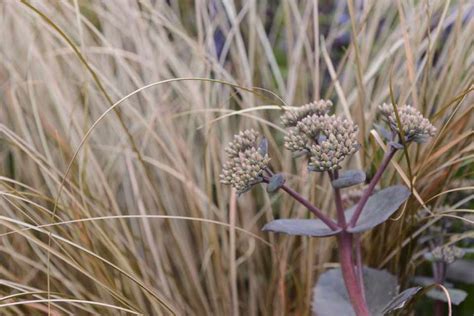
(438, 273)
(368, 192)
(352, 278)
(341, 218)
(348, 273)
(439, 308)
(358, 264)
(313, 209)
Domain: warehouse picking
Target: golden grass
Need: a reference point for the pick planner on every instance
(113, 120)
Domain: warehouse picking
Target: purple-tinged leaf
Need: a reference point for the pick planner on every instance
(461, 271)
(379, 208)
(330, 295)
(349, 178)
(457, 296)
(275, 183)
(300, 227)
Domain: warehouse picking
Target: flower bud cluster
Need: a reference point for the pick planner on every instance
(245, 163)
(415, 127)
(338, 140)
(448, 254)
(291, 117)
(327, 139)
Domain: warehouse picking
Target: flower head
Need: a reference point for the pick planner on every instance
(246, 162)
(448, 254)
(327, 139)
(242, 141)
(415, 127)
(336, 141)
(292, 117)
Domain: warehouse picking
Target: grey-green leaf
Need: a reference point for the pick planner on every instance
(461, 271)
(457, 296)
(401, 300)
(300, 227)
(275, 183)
(330, 295)
(349, 178)
(379, 207)
(428, 281)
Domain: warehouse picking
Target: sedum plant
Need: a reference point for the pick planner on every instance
(447, 264)
(327, 140)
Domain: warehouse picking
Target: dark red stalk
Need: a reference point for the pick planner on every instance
(341, 218)
(313, 209)
(358, 264)
(298, 197)
(348, 273)
(352, 279)
(372, 184)
(439, 269)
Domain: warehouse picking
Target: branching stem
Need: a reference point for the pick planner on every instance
(298, 197)
(368, 192)
(313, 209)
(352, 274)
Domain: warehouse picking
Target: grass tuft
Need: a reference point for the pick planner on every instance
(125, 214)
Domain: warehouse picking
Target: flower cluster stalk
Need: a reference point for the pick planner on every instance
(313, 209)
(358, 263)
(349, 266)
(348, 272)
(351, 272)
(370, 189)
(438, 273)
(341, 218)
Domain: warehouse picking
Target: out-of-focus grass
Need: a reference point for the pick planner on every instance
(140, 223)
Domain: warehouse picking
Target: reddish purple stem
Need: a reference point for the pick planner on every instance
(350, 278)
(313, 209)
(358, 263)
(352, 275)
(372, 184)
(341, 218)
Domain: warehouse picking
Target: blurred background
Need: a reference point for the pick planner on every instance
(113, 120)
